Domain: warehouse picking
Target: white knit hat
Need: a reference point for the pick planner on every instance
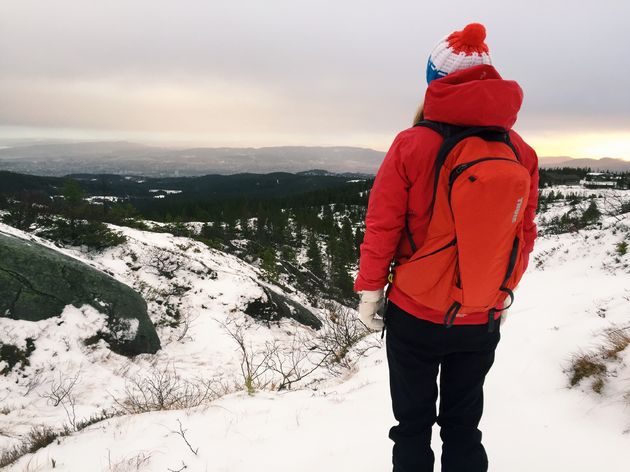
(457, 51)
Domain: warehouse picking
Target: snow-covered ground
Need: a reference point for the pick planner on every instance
(192, 293)
(577, 287)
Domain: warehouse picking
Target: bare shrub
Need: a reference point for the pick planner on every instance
(182, 433)
(136, 462)
(164, 389)
(96, 418)
(342, 335)
(32, 383)
(335, 347)
(61, 393)
(293, 363)
(61, 389)
(165, 263)
(255, 370)
(274, 366)
(185, 323)
(39, 437)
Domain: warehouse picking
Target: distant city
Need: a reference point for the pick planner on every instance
(124, 158)
(132, 159)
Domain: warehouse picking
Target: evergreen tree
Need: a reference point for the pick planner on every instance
(287, 253)
(73, 209)
(343, 285)
(328, 221)
(73, 193)
(591, 214)
(313, 252)
(346, 243)
(339, 256)
(269, 264)
(298, 236)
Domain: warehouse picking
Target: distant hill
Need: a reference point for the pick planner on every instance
(603, 164)
(134, 159)
(81, 149)
(125, 158)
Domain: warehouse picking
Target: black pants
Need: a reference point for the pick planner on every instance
(416, 350)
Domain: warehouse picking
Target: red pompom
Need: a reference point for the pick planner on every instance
(473, 34)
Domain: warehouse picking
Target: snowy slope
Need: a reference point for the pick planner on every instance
(576, 288)
(207, 289)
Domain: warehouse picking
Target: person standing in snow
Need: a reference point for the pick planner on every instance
(465, 92)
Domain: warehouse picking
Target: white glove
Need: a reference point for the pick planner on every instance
(371, 303)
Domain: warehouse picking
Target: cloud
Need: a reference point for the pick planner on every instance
(301, 70)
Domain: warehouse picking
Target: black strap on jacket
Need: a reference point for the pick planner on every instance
(451, 314)
(503, 288)
(491, 320)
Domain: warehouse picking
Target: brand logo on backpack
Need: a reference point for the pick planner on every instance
(519, 204)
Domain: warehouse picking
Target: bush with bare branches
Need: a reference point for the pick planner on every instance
(165, 263)
(165, 389)
(276, 366)
(61, 393)
(344, 339)
(255, 371)
(37, 438)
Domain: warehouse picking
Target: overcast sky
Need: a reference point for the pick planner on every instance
(274, 72)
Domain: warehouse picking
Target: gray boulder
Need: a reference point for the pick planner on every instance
(37, 282)
(274, 307)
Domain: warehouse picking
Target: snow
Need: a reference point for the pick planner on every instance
(199, 347)
(577, 287)
(102, 198)
(168, 192)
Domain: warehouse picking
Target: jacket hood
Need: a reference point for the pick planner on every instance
(476, 96)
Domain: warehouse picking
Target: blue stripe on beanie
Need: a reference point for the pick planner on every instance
(432, 72)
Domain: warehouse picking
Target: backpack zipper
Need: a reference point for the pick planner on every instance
(457, 171)
(446, 246)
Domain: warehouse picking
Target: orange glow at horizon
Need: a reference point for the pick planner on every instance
(594, 145)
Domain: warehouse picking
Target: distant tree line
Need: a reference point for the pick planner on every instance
(310, 241)
(572, 176)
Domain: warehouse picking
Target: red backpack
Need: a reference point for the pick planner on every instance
(470, 260)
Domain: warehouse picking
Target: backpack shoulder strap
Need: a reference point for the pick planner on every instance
(452, 135)
(445, 130)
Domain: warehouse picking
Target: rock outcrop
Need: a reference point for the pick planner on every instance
(37, 282)
(274, 306)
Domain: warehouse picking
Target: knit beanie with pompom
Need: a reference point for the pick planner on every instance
(457, 51)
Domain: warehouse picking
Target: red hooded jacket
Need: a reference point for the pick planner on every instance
(403, 187)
